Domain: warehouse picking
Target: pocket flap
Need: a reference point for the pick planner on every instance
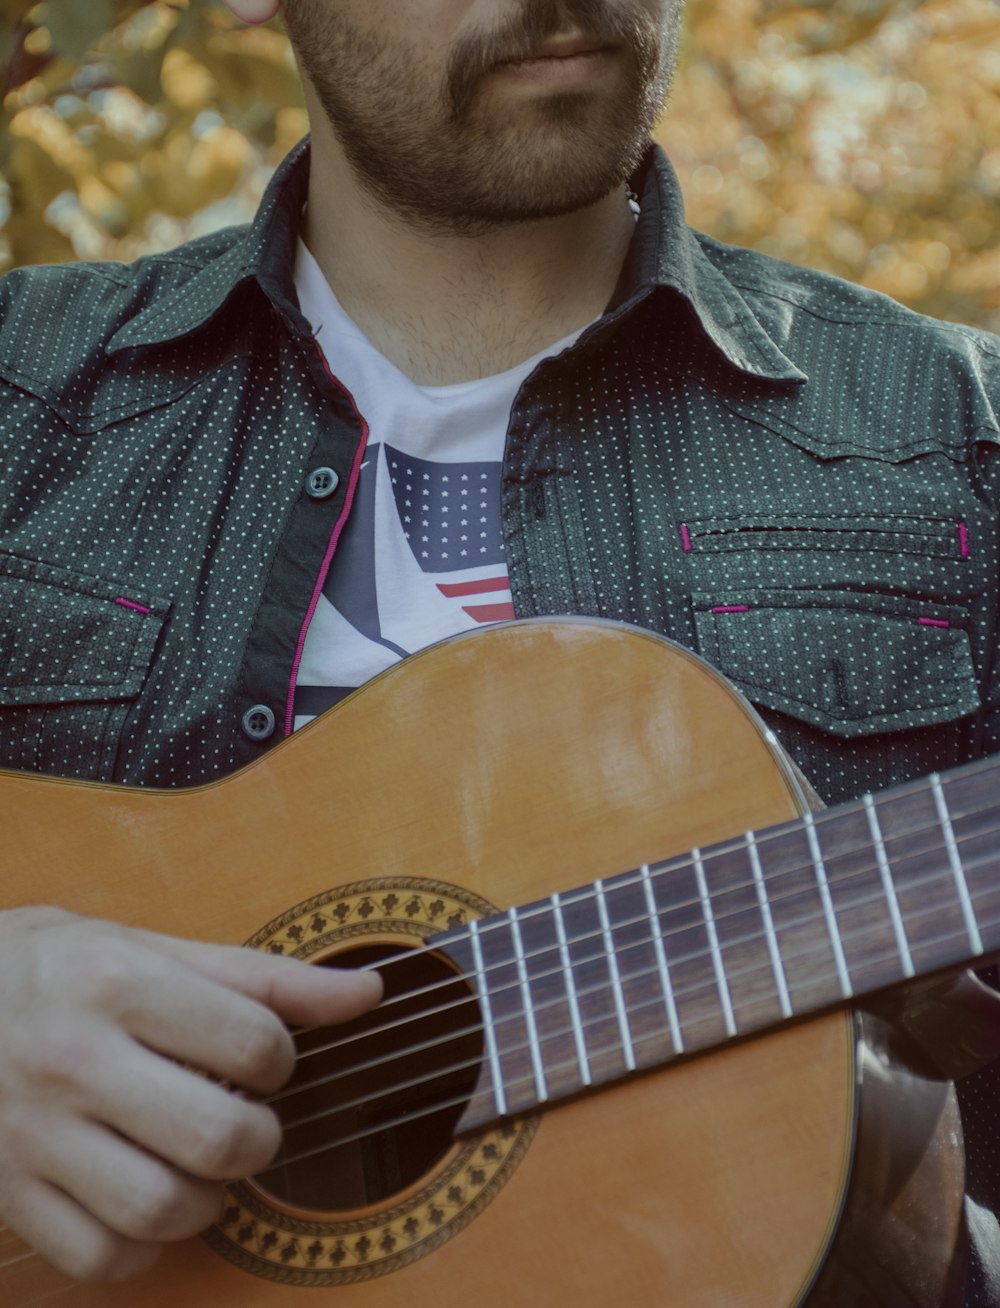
(67, 637)
(848, 662)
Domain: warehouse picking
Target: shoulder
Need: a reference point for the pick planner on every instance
(58, 324)
(805, 296)
(56, 314)
(873, 353)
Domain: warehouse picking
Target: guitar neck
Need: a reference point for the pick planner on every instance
(678, 957)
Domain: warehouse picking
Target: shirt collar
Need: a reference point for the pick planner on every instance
(264, 252)
(665, 255)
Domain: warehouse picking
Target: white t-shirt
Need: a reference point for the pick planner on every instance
(422, 554)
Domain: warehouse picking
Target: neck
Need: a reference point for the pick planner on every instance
(447, 308)
(762, 929)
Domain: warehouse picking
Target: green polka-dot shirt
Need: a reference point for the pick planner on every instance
(792, 476)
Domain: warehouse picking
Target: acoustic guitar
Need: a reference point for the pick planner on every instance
(619, 1061)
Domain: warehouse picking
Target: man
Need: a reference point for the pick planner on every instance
(481, 272)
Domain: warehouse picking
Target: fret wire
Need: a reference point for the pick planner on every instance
(492, 1051)
(616, 982)
(932, 879)
(833, 930)
(581, 894)
(458, 1101)
(541, 1089)
(955, 862)
(888, 887)
(659, 948)
(567, 972)
(773, 947)
(753, 970)
(588, 893)
(579, 1038)
(713, 941)
(807, 823)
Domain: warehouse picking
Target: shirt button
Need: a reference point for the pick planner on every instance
(321, 483)
(259, 722)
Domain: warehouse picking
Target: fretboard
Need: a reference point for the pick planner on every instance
(678, 957)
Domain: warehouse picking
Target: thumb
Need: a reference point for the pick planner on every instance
(299, 993)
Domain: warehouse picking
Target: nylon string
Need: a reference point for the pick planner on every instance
(675, 865)
(550, 1037)
(810, 917)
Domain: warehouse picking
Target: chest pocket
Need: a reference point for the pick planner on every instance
(75, 652)
(849, 663)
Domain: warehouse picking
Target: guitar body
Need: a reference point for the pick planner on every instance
(806, 1166)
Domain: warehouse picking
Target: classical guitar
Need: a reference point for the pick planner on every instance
(619, 1060)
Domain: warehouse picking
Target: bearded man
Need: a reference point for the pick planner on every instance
(468, 363)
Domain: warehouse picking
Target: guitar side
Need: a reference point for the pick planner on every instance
(529, 759)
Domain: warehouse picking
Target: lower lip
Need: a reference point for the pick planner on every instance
(569, 71)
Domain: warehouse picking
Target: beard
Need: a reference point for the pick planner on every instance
(423, 143)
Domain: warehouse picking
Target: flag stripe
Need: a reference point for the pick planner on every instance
(455, 589)
(490, 612)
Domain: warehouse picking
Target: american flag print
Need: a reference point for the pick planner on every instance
(421, 558)
(450, 516)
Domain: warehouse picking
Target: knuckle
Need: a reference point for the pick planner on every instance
(263, 1055)
(105, 972)
(58, 1056)
(153, 1209)
(229, 1146)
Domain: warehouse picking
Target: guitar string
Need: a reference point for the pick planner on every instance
(659, 873)
(640, 1039)
(680, 864)
(809, 918)
(696, 956)
(596, 989)
(19, 1258)
(583, 993)
(525, 1079)
(405, 1119)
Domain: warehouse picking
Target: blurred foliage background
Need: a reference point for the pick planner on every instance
(858, 136)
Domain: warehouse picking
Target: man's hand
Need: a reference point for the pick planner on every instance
(111, 1142)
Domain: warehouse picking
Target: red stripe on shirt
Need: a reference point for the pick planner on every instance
(455, 589)
(489, 612)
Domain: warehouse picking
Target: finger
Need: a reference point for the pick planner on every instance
(72, 1239)
(217, 1007)
(298, 992)
(172, 1009)
(130, 1192)
(193, 1123)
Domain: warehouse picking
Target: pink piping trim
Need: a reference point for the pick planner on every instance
(131, 604)
(932, 622)
(686, 539)
(963, 540)
(731, 608)
(338, 527)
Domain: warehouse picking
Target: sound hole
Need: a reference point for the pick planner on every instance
(373, 1104)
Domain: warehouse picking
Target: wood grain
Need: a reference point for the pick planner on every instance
(587, 750)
